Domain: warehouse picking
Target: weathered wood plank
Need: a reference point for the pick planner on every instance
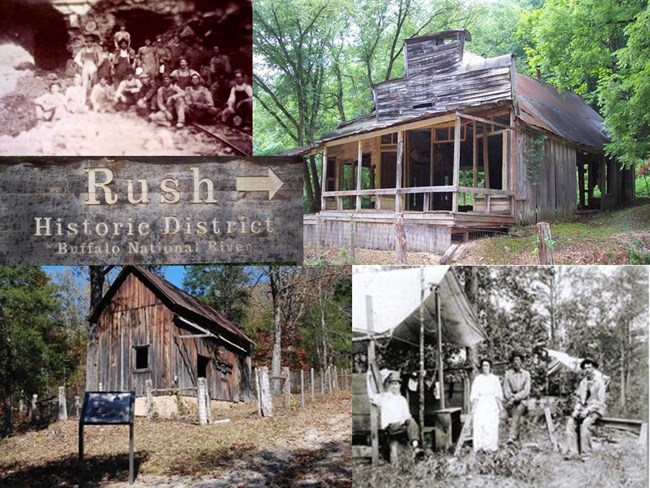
(148, 210)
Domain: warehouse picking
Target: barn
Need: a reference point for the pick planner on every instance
(460, 145)
(148, 329)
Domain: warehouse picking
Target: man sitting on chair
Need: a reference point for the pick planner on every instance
(394, 410)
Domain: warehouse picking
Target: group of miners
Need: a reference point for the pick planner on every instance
(167, 83)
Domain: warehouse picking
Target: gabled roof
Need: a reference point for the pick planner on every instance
(181, 303)
(442, 78)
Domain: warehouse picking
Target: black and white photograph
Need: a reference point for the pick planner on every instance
(135, 77)
(500, 376)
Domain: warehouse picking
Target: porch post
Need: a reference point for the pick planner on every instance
(454, 195)
(474, 155)
(504, 161)
(400, 235)
(359, 158)
(486, 161)
(323, 185)
(399, 170)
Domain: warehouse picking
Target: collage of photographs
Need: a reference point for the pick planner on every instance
(324, 243)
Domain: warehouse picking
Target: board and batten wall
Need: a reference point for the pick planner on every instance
(552, 194)
(135, 316)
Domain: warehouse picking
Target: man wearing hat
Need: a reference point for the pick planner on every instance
(590, 405)
(199, 106)
(394, 412)
(516, 390)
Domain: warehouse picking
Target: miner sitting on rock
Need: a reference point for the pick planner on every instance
(51, 105)
(394, 412)
(199, 106)
(170, 100)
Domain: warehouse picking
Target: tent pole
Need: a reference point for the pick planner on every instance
(421, 382)
(441, 374)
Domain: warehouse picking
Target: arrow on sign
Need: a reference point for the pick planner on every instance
(270, 183)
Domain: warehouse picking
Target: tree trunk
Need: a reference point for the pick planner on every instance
(96, 291)
(7, 428)
(323, 325)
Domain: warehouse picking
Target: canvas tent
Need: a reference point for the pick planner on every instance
(387, 303)
(417, 306)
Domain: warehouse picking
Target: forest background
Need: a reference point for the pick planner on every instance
(315, 61)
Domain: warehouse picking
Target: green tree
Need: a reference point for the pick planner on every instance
(226, 288)
(33, 342)
(600, 50)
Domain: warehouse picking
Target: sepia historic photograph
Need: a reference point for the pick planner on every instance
(500, 376)
(133, 77)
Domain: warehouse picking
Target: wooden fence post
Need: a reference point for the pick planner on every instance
(149, 396)
(266, 401)
(257, 392)
(545, 243)
(350, 259)
(286, 388)
(32, 408)
(203, 416)
(400, 240)
(63, 408)
(302, 387)
(312, 384)
(318, 236)
(322, 382)
(208, 403)
(77, 406)
(336, 379)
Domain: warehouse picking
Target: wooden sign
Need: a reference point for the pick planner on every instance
(150, 210)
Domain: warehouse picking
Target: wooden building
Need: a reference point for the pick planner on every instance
(460, 143)
(147, 329)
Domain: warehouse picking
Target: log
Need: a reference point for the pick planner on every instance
(451, 250)
(551, 428)
(464, 434)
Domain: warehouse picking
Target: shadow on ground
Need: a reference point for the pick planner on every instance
(69, 472)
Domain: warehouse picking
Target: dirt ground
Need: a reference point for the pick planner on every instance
(618, 461)
(96, 134)
(303, 447)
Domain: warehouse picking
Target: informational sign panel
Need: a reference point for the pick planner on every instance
(150, 210)
(108, 408)
(104, 407)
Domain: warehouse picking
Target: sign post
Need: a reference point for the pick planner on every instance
(108, 408)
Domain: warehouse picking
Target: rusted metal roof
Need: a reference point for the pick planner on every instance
(564, 114)
(177, 300)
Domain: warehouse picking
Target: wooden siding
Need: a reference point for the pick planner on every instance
(429, 57)
(552, 193)
(137, 317)
(426, 93)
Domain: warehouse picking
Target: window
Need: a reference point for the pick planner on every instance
(141, 358)
(202, 363)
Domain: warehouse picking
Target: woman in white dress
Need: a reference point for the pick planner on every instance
(486, 398)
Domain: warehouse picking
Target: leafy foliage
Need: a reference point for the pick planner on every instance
(34, 345)
(226, 288)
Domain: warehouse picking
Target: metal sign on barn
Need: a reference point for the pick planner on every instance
(150, 210)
